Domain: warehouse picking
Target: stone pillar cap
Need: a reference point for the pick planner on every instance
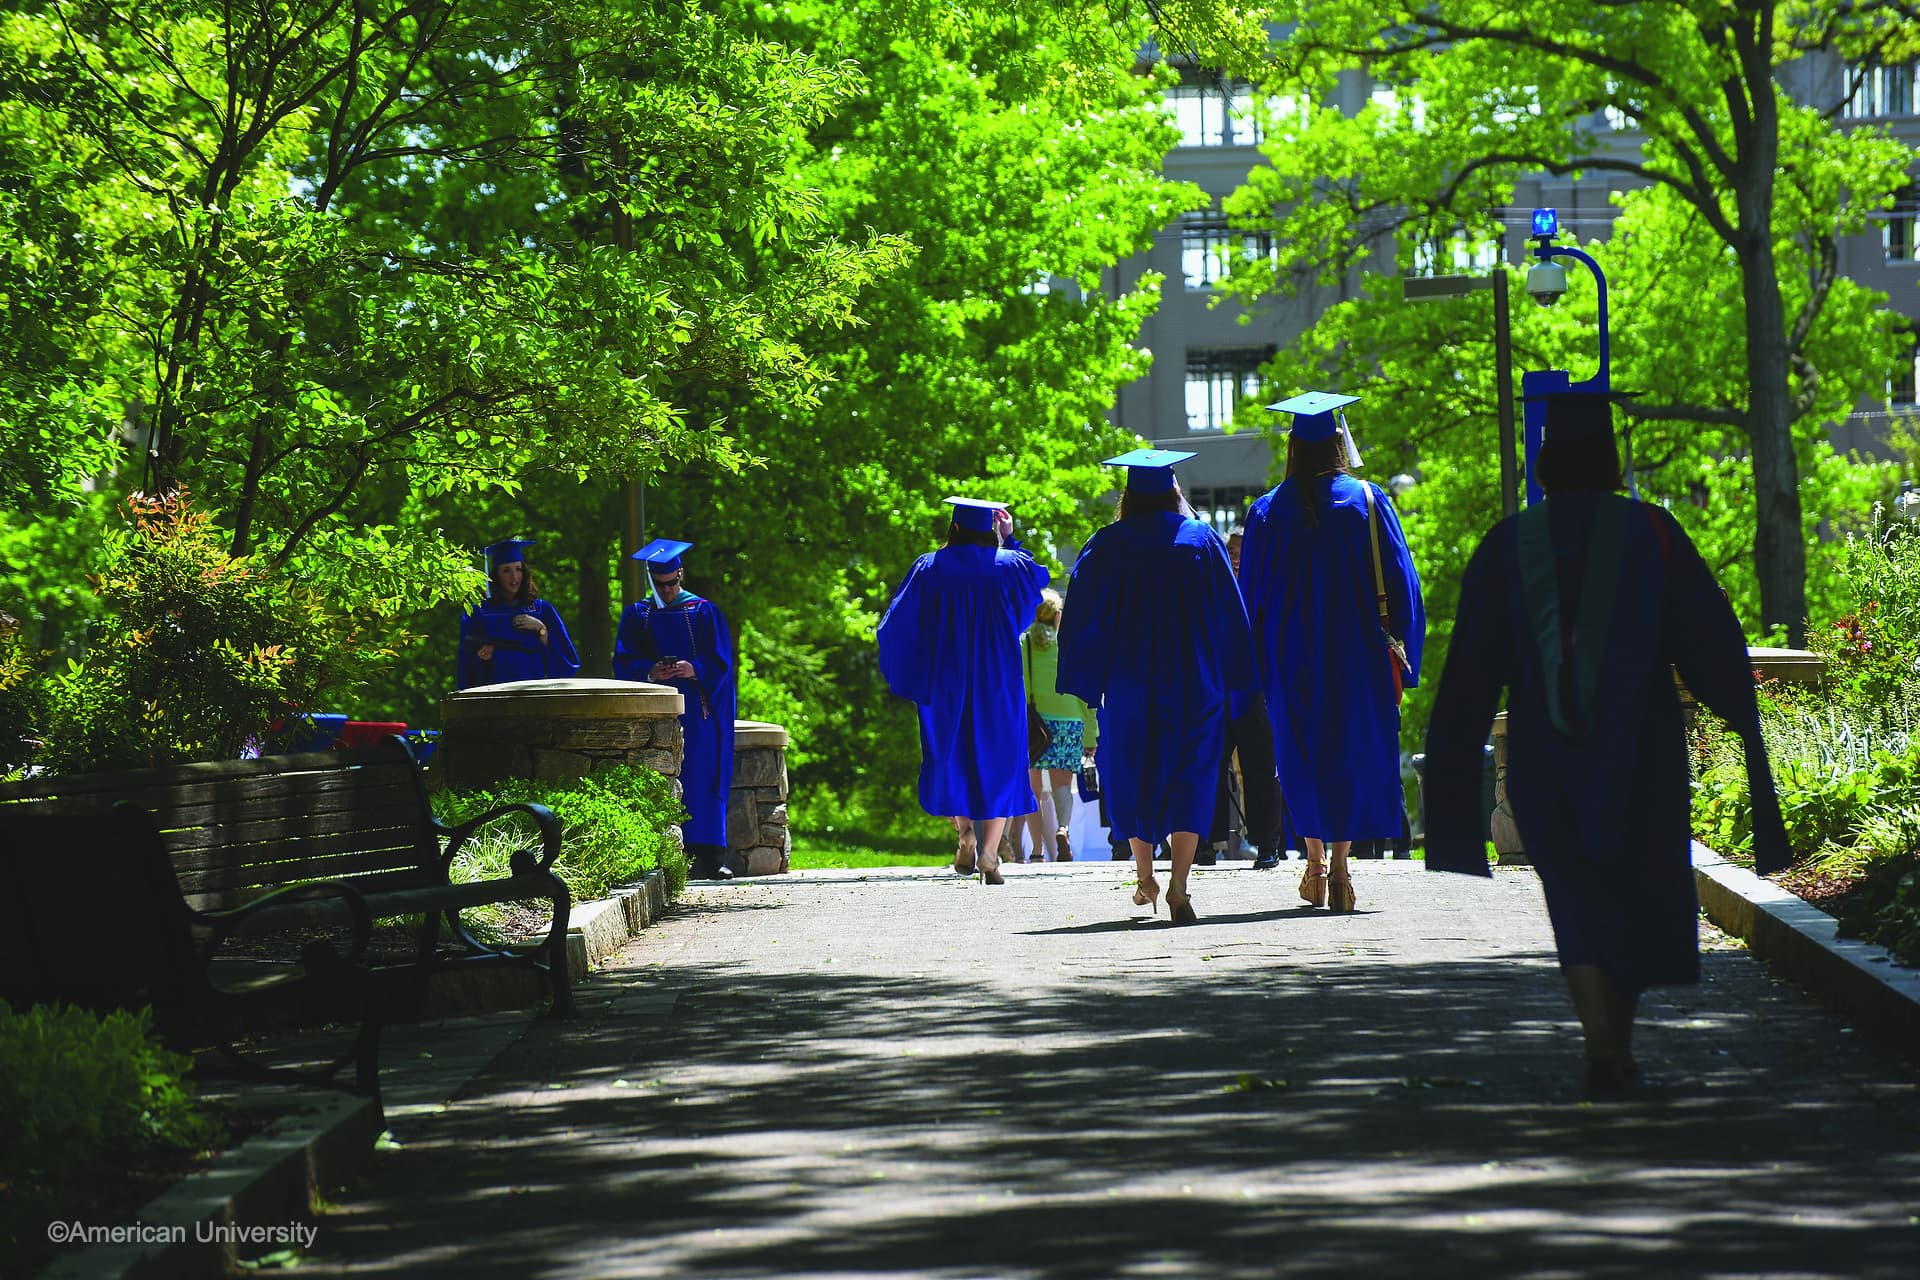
(758, 733)
(564, 699)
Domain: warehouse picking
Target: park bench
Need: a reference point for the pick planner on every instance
(235, 830)
(93, 916)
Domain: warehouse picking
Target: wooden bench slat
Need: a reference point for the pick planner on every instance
(293, 860)
(389, 752)
(241, 895)
(388, 823)
(172, 811)
(307, 788)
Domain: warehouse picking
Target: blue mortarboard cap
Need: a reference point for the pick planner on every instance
(1150, 470)
(662, 555)
(1316, 414)
(506, 551)
(975, 513)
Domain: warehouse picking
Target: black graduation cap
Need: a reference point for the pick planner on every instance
(506, 551)
(1150, 470)
(1579, 415)
(975, 514)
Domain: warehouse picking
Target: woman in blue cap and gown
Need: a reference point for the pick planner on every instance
(1338, 625)
(513, 635)
(679, 639)
(1156, 637)
(949, 643)
(1582, 607)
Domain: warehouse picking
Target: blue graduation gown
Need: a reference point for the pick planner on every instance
(1604, 809)
(950, 643)
(1323, 662)
(693, 630)
(1154, 634)
(517, 655)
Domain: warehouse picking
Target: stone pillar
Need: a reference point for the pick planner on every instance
(758, 841)
(557, 730)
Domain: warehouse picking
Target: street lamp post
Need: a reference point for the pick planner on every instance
(1418, 288)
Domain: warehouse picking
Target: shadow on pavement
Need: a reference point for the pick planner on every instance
(1375, 1119)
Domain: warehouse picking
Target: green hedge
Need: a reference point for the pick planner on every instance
(613, 827)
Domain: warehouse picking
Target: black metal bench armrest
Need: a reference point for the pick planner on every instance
(549, 834)
(224, 924)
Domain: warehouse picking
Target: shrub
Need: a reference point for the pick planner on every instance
(198, 650)
(78, 1089)
(613, 827)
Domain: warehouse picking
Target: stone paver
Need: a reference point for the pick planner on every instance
(904, 1074)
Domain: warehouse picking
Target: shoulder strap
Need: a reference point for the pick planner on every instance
(1379, 576)
(1026, 643)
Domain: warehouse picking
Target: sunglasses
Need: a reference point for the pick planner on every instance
(672, 581)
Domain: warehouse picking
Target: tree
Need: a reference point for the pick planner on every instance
(294, 300)
(1425, 373)
(1489, 91)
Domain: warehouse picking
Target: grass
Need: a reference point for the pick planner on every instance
(849, 847)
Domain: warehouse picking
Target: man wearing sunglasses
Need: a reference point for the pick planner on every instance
(679, 639)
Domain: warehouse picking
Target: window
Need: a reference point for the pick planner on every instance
(1881, 91)
(1898, 225)
(1456, 254)
(1218, 378)
(1224, 507)
(1901, 388)
(1211, 116)
(1208, 246)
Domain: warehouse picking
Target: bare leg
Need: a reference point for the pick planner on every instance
(1313, 880)
(1039, 823)
(990, 830)
(1148, 892)
(1339, 884)
(1180, 850)
(963, 854)
(1606, 1018)
(1062, 791)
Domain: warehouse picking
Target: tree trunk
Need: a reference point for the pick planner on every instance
(1779, 546)
(593, 635)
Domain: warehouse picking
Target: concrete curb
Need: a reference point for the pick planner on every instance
(270, 1180)
(273, 1178)
(1802, 943)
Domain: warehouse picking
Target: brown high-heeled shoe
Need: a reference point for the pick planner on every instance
(1148, 895)
(1313, 885)
(1180, 907)
(963, 859)
(990, 870)
(1339, 891)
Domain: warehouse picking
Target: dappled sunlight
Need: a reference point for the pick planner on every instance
(1261, 1093)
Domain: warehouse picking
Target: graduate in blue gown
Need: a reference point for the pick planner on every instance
(949, 643)
(679, 639)
(1154, 634)
(1331, 678)
(513, 635)
(1582, 607)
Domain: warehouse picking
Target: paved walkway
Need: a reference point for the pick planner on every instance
(905, 1074)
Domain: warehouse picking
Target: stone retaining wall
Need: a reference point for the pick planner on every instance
(758, 842)
(557, 730)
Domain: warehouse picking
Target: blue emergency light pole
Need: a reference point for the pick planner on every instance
(1547, 284)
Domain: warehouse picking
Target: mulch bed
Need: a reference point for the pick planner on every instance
(1832, 893)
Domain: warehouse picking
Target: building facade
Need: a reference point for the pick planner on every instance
(1208, 351)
